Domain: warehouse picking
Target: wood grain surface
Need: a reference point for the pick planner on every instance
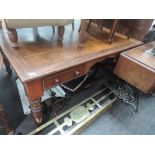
(138, 68)
(40, 54)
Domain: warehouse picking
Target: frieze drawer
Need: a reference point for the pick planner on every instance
(64, 76)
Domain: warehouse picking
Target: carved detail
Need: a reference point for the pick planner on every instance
(34, 91)
(36, 111)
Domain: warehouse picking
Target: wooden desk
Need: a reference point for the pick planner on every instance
(41, 62)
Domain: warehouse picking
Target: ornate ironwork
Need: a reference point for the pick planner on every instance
(128, 94)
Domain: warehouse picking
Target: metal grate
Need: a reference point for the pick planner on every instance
(79, 116)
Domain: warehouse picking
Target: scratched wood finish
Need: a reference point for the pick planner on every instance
(137, 68)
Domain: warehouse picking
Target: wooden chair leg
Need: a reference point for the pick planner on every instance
(103, 24)
(82, 33)
(79, 29)
(8, 129)
(61, 31)
(90, 21)
(13, 37)
(73, 26)
(112, 30)
(53, 29)
(130, 33)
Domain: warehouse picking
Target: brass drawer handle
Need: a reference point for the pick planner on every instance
(77, 73)
(56, 80)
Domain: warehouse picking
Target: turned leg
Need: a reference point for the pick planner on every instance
(34, 91)
(61, 30)
(12, 34)
(35, 106)
(8, 129)
(6, 63)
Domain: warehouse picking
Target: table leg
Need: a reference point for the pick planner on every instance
(35, 106)
(112, 30)
(34, 91)
(6, 63)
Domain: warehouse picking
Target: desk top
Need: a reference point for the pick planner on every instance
(142, 55)
(39, 53)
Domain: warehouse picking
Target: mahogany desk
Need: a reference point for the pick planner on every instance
(41, 62)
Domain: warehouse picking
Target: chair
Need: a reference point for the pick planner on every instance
(101, 25)
(13, 24)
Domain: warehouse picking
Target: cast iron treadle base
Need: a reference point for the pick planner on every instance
(128, 94)
(79, 116)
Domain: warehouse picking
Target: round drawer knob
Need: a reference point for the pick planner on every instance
(77, 73)
(56, 80)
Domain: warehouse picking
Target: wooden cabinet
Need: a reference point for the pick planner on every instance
(137, 67)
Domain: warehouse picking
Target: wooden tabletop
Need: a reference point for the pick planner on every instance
(139, 54)
(39, 53)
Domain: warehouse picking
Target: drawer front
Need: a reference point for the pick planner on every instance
(63, 76)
